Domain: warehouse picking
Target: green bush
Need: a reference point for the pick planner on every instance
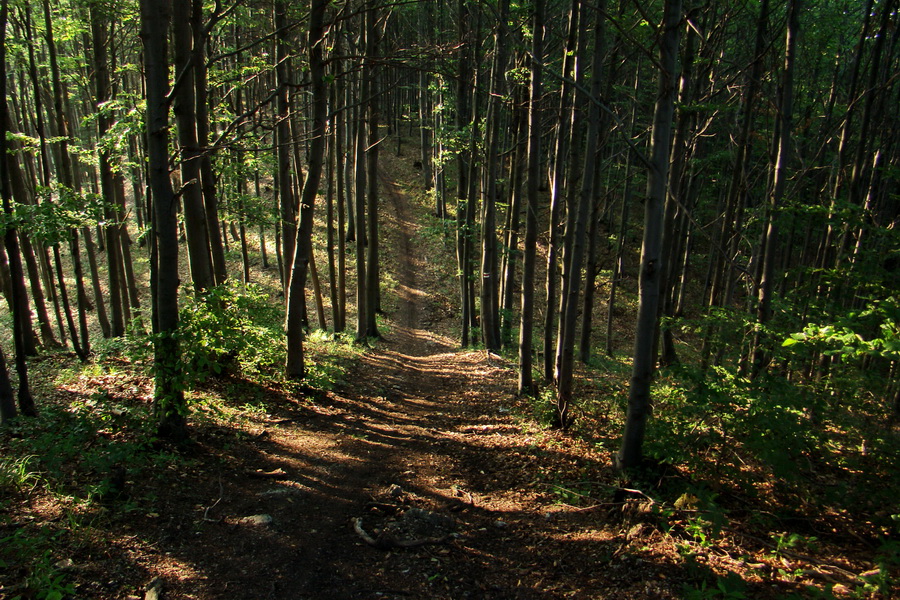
(231, 328)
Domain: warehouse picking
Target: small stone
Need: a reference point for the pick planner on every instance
(501, 524)
(281, 491)
(840, 590)
(260, 520)
(635, 532)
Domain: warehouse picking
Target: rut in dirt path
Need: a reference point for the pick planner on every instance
(411, 337)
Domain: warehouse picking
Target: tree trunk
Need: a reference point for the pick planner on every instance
(761, 355)
(66, 179)
(191, 192)
(168, 397)
(207, 177)
(340, 317)
(576, 225)
(295, 367)
(490, 277)
(116, 294)
(560, 162)
(284, 143)
(526, 325)
(11, 242)
(631, 452)
(373, 266)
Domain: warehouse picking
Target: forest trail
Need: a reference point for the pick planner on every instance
(420, 476)
(420, 425)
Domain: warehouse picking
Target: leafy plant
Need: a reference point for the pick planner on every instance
(730, 586)
(44, 579)
(18, 474)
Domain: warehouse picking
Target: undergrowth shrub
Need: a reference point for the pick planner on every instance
(233, 327)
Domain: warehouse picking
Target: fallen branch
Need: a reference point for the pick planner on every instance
(388, 542)
(276, 474)
(214, 504)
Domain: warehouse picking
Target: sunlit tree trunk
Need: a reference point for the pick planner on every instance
(558, 186)
(575, 236)
(295, 367)
(207, 176)
(191, 192)
(533, 176)
(284, 142)
(116, 294)
(66, 178)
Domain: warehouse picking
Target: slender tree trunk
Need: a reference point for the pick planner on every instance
(526, 326)
(184, 105)
(8, 410)
(761, 355)
(631, 454)
(284, 143)
(66, 178)
(359, 187)
(576, 225)
(329, 225)
(490, 276)
(340, 322)
(104, 123)
(373, 266)
(463, 120)
(11, 243)
(295, 367)
(590, 283)
(21, 196)
(511, 245)
(560, 162)
(168, 397)
(207, 177)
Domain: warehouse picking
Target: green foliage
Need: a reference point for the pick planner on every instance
(60, 211)
(731, 586)
(33, 553)
(232, 328)
(331, 355)
(794, 542)
(873, 331)
(18, 474)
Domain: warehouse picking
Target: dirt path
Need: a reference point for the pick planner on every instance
(420, 426)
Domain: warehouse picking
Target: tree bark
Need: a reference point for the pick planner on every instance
(295, 367)
(576, 225)
(526, 325)
(191, 192)
(761, 355)
(168, 397)
(631, 452)
(373, 266)
(11, 242)
(207, 177)
(284, 143)
(117, 298)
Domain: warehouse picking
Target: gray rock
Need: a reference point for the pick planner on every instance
(258, 520)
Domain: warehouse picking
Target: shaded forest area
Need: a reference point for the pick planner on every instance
(664, 231)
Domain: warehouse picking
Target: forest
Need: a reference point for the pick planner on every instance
(451, 299)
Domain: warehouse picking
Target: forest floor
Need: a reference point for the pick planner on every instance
(421, 476)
